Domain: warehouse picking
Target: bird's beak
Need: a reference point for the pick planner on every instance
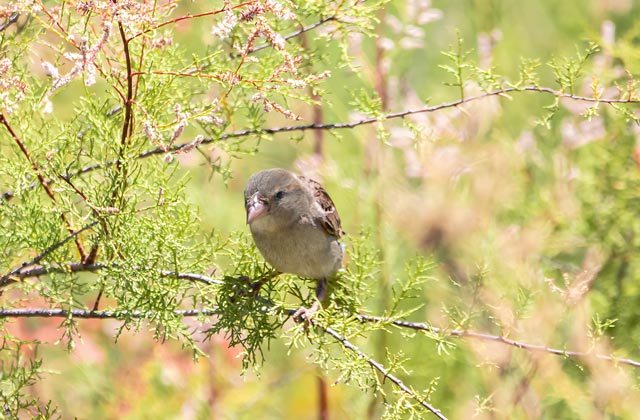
(256, 207)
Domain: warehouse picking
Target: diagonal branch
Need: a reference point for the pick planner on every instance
(11, 276)
(191, 16)
(42, 180)
(421, 326)
(347, 125)
(380, 368)
(296, 33)
(10, 21)
(127, 126)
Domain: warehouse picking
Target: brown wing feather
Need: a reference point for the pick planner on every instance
(331, 220)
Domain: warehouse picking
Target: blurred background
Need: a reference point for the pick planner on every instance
(532, 224)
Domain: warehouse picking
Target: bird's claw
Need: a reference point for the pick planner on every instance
(304, 314)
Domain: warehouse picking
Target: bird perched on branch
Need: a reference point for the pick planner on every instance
(296, 228)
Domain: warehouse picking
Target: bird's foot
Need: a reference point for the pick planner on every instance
(305, 314)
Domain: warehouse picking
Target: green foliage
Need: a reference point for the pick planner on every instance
(459, 63)
(569, 70)
(17, 373)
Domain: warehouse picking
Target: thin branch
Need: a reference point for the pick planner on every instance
(346, 125)
(93, 252)
(10, 21)
(26, 153)
(323, 396)
(86, 314)
(296, 33)
(336, 126)
(43, 181)
(421, 326)
(126, 129)
(190, 16)
(11, 276)
(127, 126)
(380, 368)
(63, 32)
(74, 267)
(192, 276)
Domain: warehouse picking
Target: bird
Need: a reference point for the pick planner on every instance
(296, 228)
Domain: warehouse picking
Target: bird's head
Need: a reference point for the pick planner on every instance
(273, 199)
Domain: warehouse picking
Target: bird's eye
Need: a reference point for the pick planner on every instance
(279, 195)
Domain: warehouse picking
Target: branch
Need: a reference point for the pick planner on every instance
(11, 276)
(296, 33)
(43, 181)
(127, 124)
(10, 21)
(345, 125)
(126, 129)
(74, 267)
(420, 326)
(86, 314)
(380, 368)
(191, 16)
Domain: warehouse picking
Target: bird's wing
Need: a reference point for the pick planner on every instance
(330, 220)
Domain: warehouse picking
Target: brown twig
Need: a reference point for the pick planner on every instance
(127, 125)
(42, 180)
(323, 397)
(190, 16)
(10, 21)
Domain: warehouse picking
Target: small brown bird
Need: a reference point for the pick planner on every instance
(295, 226)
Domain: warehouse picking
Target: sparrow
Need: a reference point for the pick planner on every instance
(296, 228)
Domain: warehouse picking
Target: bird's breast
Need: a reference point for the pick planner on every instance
(305, 250)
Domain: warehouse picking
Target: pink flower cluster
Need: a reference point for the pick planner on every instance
(12, 89)
(182, 120)
(84, 62)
